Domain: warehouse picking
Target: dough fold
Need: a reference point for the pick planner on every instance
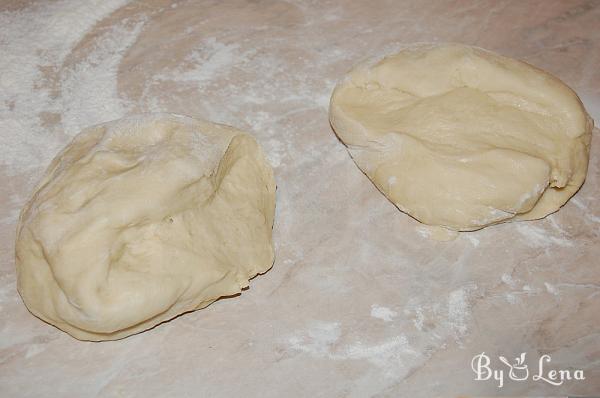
(141, 219)
(463, 138)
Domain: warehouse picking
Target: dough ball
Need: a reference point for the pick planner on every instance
(461, 137)
(141, 219)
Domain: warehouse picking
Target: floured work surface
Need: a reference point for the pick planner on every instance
(358, 302)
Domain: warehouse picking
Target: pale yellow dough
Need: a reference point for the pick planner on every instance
(142, 219)
(461, 137)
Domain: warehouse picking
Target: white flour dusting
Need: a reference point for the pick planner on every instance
(514, 296)
(34, 349)
(556, 225)
(97, 74)
(551, 289)
(474, 241)
(389, 355)
(445, 318)
(419, 319)
(51, 87)
(207, 63)
(593, 218)
(458, 307)
(318, 339)
(212, 68)
(507, 278)
(34, 43)
(425, 232)
(416, 312)
(538, 237)
(586, 214)
(383, 313)
(459, 310)
(511, 298)
(577, 202)
(322, 340)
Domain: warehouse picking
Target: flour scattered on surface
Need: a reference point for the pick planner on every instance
(424, 231)
(538, 237)
(556, 225)
(515, 296)
(586, 213)
(97, 73)
(13, 204)
(34, 43)
(577, 202)
(458, 307)
(507, 279)
(459, 311)
(383, 313)
(275, 149)
(318, 339)
(415, 311)
(551, 289)
(322, 340)
(593, 218)
(511, 298)
(474, 241)
(528, 290)
(208, 62)
(437, 233)
(419, 319)
(389, 355)
(33, 350)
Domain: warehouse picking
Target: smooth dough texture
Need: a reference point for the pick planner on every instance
(461, 137)
(141, 219)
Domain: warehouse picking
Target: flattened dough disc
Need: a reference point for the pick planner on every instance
(461, 137)
(141, 219)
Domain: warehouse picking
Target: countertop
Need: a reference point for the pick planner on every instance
(360, 302)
